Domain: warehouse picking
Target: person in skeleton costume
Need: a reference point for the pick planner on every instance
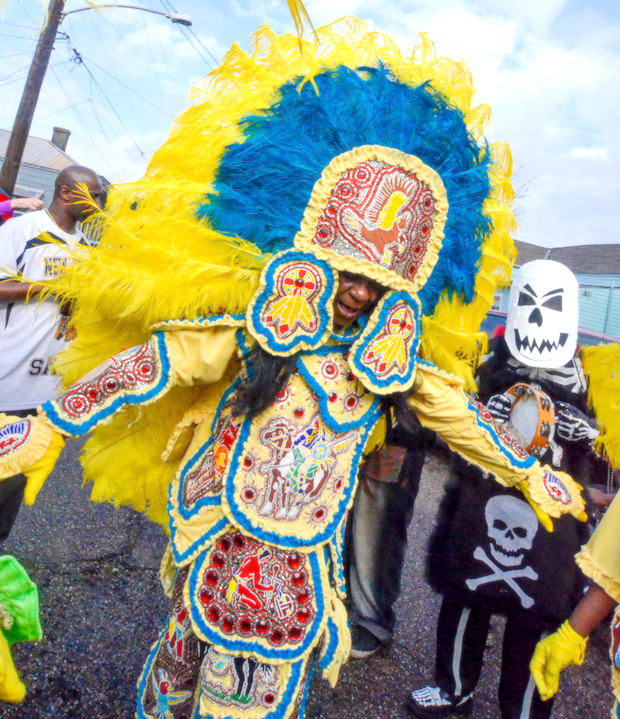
(325, 205)
(489, 554)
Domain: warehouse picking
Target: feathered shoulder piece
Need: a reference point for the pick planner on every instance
(601, 365)
(232, 183)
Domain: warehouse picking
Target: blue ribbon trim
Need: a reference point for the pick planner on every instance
(334, 640)
(392, 379)
(290, 541)
(320, 303)
(145, 674)
(198, 545)
(247, 645)
(77, 429)
(326, 415)
(335, 555)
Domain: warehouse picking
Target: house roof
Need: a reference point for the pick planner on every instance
(581, 259)
(39, 152)
(529, 253)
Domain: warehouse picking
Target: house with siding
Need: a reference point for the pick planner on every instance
(597, 268)
(41, 163)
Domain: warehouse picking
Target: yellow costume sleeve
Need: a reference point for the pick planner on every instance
(442, 406)
(139, 375)
(599, 559)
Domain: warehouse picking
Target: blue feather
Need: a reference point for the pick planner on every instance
(264, 184)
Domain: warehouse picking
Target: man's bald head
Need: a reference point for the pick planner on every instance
(67, 191)
(74, 175)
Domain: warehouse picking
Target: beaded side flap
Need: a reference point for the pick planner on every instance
(292, 309)
(384, 357)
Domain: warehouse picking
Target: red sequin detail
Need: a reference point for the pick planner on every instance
(125, 372)
(256, 590)
(355, 218)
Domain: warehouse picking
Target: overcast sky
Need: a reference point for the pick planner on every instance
(549, 69)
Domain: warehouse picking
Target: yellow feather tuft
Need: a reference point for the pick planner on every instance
(602, 367)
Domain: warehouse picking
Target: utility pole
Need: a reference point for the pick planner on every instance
(25, 113)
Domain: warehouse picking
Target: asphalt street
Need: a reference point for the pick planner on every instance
(102, 607)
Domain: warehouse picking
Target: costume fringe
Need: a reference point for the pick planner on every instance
(158, 258)
(602, 367)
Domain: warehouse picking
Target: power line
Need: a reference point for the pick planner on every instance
(17, 54)
(163, 54)
(148, 39)
(114, 77)
(81, 120)
(168, 6)
(43, 117)
(120, 82)
(80, 60)
(18, 37)
(189, 29)
(21, 69)
(14, 24)
(113, 147)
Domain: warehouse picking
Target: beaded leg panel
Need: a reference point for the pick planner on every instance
(241, 687)
(167, 688)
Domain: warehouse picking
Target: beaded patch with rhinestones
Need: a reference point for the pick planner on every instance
(15, 436)
(293, 308)
(130, 370)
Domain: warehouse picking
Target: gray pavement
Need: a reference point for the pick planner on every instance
(102, 607)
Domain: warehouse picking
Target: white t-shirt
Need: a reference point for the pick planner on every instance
(31, 332)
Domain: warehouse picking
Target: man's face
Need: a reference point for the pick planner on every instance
(356, 296)
(79, 209)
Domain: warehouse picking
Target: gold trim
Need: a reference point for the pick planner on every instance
(321, 194)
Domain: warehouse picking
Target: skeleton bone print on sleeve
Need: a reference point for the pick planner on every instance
(511, 527)
(543, 314)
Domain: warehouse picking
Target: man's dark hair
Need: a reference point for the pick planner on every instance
(269, 373)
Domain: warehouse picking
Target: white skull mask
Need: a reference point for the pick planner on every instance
(543, 315)
(512, 525)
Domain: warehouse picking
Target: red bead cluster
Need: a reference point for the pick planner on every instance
(127, 371)
(251, 589)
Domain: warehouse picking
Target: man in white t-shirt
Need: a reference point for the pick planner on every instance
(31, 332)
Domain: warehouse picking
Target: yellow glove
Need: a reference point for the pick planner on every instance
(11, 687)
(38, 472)
(543, 517)
(559, 650)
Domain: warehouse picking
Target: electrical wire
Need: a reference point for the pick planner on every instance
(81, 120)
(43, 117)
(17, 54)
(18, 37)
(123, 85)
(14, 24)
(113, 109)
(148, 40)
(21, 69)
(163, 54)
(120, 82)
(168, 6)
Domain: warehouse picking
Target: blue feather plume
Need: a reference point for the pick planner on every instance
(264, 184)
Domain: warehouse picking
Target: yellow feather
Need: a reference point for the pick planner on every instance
(602, 367)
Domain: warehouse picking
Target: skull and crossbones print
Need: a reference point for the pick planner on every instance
(511, 527)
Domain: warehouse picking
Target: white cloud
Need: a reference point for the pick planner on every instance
(548, 68)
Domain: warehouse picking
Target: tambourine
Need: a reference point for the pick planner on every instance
(532, 416)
